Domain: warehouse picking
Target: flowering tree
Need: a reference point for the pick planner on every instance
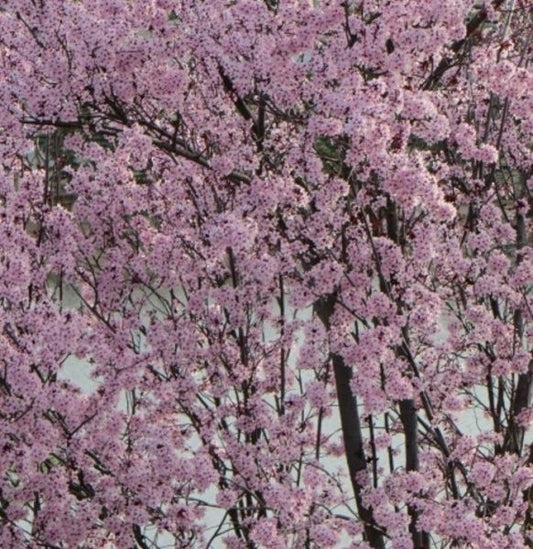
(297, 233)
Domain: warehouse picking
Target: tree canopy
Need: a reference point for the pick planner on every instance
(296, 239)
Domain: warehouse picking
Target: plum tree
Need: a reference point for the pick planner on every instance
(298, 237)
